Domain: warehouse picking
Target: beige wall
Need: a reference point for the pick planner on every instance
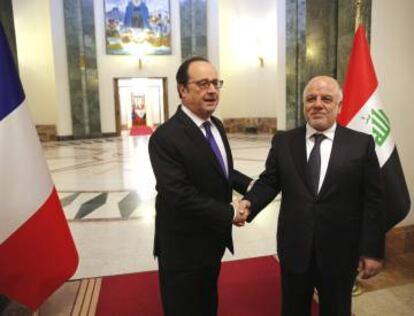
(392, 47)
(64, 119)
(35, 55)
(249, 29)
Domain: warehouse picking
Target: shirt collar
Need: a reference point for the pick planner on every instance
(329, 133)
(197, 121)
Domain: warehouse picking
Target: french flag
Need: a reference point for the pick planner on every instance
(362, 110)
(37, 252)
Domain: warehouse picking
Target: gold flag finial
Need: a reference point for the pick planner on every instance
(358, 16)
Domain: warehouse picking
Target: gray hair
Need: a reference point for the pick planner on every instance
(338, 87)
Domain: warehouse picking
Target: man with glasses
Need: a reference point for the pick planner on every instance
(193, 166)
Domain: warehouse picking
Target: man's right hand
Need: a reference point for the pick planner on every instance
(242, 209)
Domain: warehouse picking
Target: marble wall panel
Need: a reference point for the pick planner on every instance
(292, 45)
(82, 68)
(193, 28)
(321, 38)
(295, 60)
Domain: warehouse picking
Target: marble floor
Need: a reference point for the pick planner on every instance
(107, 190)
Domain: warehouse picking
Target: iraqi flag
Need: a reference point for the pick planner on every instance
(37, 253)
(362, 110)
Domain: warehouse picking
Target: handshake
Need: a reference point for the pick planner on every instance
(242, 210)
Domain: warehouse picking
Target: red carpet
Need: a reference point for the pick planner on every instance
(247, 287)
(140, 130)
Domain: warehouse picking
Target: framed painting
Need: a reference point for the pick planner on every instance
(137, 27)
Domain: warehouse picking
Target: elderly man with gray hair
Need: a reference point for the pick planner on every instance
(330, 223)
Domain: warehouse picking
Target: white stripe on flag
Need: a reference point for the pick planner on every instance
(25, 180)
(362, 121)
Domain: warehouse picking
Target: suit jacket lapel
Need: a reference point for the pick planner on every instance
(335, 160)
(298, 150)
(196, 135)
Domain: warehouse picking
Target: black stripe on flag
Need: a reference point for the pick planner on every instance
(396, 197)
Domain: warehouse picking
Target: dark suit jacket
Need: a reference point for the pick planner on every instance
(193, 211)
(340, 224)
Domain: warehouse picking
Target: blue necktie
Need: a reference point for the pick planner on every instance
(213, 145)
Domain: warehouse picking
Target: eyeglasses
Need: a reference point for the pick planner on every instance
(204, 84)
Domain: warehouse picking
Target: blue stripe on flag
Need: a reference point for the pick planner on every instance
(11, 90)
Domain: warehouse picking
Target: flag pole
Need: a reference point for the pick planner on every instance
(357, 289)
(358, 15)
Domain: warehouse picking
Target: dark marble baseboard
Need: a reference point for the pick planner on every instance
(400, 240)
(104, 135)
(64, 137)
(251, 125)
(46, 133)
(71, 137)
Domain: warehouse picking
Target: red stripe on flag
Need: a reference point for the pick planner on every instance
(39, 256)
(360, 80)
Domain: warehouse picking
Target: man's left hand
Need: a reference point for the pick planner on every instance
(368, 267)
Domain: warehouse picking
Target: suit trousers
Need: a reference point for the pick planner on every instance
(334, 291)
(189, 292)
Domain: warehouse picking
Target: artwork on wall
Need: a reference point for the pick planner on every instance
(138, 27)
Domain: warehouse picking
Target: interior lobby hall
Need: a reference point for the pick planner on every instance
(99, 79)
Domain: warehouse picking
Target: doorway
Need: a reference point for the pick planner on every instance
(140, 103)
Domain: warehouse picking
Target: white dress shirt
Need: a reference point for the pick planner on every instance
(326, 148)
